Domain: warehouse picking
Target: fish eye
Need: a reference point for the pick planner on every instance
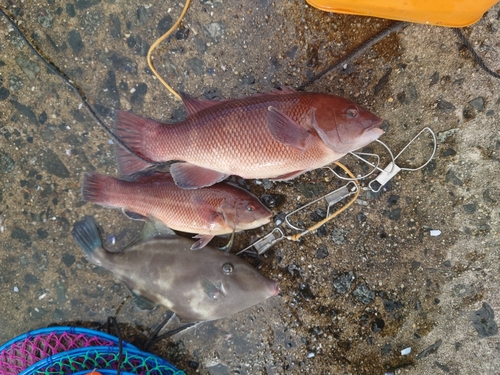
(227, 268)
(352, 112)
(250, 207)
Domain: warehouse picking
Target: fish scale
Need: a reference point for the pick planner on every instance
(275, 135)
(217, 210)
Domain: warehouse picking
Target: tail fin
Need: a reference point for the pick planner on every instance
(87, 236)
(96, 188)
(133, 131)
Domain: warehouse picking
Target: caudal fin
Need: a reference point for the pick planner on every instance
(97, 188)
(133, 131)
(86, 236)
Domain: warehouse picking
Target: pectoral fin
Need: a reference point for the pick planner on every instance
(285, 130)
(189, 176)
(210, 289)
(203, 241)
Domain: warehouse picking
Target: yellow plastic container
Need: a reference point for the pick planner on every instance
(451, 13)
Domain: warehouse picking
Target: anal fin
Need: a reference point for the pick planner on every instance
(129, 163)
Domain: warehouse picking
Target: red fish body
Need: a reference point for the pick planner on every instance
(276, 135)
(216, 210)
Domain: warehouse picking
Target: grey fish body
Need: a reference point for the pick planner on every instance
(197, 286)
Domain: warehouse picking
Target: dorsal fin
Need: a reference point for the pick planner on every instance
(194, 105)
(285, 90)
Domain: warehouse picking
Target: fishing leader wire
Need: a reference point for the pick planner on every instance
(57, 71)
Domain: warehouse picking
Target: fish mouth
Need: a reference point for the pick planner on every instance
(275, 289)
(376, 125)
(254, 224)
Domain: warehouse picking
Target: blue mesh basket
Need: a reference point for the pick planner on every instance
(102, 372)
(27, 349)
(102, 357)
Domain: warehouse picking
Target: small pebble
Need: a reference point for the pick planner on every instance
(16, 289)
(363, 294)
(477, 103)
(435, 232)
(45, 18)
(443, 136)
(322, 252)
(406, 351)
(280, 218)
(342, 284)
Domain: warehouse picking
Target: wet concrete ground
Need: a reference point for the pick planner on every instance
(354, 294)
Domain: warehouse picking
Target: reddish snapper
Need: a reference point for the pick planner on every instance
(219, 209)
(277, 135)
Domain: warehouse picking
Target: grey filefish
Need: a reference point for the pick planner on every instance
(160, 268)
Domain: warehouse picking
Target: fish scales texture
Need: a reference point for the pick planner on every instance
(216, 210)
(234, 137)
(274, 135)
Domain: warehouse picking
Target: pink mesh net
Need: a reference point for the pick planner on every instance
(23, 354)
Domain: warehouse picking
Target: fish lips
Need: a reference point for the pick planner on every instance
(256, 223)
(376, 126)
(274, 289)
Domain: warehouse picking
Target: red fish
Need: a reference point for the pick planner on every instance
(277, 135)
(216, 210)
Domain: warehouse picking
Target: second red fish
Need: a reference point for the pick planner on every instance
(220, 209)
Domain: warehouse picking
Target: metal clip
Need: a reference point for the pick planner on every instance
(392, 169)
(331, 199)
(264, 243)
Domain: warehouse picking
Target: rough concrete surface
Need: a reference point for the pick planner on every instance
(355, 293)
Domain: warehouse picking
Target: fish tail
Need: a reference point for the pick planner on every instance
(96, 188)
(86, 235)
(134, 132)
